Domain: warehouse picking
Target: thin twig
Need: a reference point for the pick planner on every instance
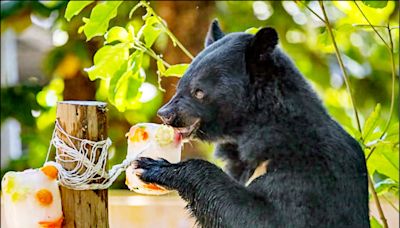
(393, 82)
(170, 34)
(393, 67)
(140, 46)
(312, 11)
(370, 182)
(339, 57)
(370, 153)
(367, 25)
(376, 26)
(392, 95)
(391, 203)
(377, 33)
(378, 204)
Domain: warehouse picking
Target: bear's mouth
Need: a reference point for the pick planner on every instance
(188, 131)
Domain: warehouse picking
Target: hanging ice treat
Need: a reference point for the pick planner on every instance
(32, 198)
(154, 141)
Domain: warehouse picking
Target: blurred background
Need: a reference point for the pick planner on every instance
(43, 59)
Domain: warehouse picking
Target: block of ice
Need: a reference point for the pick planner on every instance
(32, 198)
(154, 141)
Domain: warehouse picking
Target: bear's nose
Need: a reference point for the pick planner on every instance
(167, 116)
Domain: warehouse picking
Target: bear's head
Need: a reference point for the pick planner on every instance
(236, 79)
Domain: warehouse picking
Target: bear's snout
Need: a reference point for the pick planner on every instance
(167, 115)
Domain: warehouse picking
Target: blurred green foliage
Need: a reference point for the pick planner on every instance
(128, 38)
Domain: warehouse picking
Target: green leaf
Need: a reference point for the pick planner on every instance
(375, 4)
(127, 91)
(131, 32)
(150, 31)
(375, 223)
(324, 37)
(112, 88)
(116, 34)
(346, 28)
(124, 86)
(151, 34)
(392, 133)
(176, 70)
(108, 60)
(74, 8)
(372, 122)
(385, 160)
(252, 30)
(384, 184)
(101, 15)
(160, 67)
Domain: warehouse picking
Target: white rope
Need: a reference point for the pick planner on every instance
(89, 168)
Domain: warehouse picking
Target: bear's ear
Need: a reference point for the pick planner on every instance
(262, 44)
(258, 53)
(214, 33)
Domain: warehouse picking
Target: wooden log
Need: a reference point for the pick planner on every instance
(84, 120)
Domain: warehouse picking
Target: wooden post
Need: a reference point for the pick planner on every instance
(85, 120)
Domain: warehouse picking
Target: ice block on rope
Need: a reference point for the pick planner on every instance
(154, 141)
(32, 198)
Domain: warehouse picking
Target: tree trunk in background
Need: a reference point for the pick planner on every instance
(189, 22)
(79, 88)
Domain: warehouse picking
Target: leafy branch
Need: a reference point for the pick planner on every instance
(119, 61)
(389, 47)
(163, 25)
(339, 58)
(370, 182)
(377, 202)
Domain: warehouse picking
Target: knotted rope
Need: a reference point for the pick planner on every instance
(90, 171)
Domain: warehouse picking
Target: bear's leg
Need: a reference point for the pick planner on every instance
(214, 198)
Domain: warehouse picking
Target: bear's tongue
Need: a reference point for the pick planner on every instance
(186, 132)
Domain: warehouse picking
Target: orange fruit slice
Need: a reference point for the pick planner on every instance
(139, 134)
(154, 187)
(50, 171)
(44, 197)
(51, 224)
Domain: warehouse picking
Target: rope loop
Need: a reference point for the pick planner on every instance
(90, 170)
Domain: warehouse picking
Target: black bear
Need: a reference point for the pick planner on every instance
(244, 94)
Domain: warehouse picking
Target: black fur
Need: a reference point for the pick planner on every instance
(258, 107)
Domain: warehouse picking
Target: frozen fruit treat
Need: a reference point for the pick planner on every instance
(154, 141)
(32, 198)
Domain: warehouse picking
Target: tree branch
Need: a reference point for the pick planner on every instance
(377, 33)
(378, 204)
(370, 183)
(339, 58)
(165, 28)
(312, 11)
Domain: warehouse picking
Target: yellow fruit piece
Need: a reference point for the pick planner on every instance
(164, 135)
(19, 195)
(50, 171)
(10, 184)
(44, 197)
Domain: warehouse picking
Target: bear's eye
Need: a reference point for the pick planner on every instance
(199, 94)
